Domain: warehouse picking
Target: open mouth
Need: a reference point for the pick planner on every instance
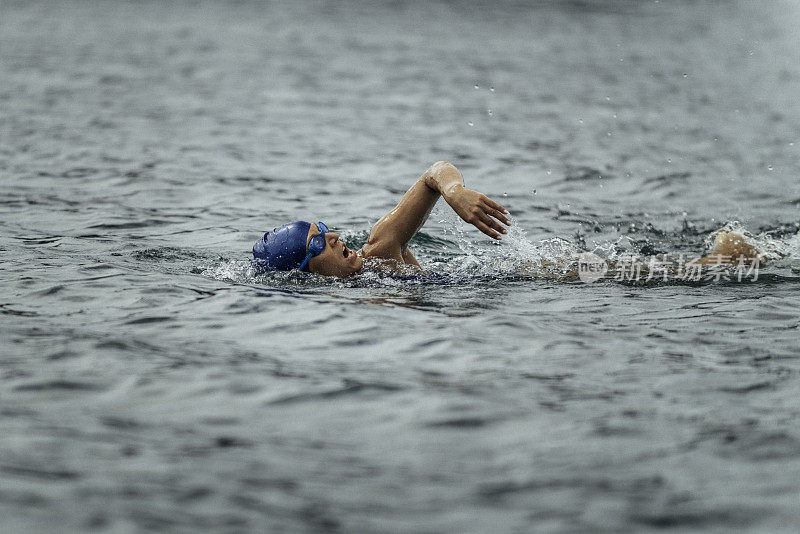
(345, 252)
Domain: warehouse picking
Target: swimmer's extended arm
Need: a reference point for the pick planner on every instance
(390, 235)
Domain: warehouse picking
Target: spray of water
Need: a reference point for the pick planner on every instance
(778, 251)
(515, 254)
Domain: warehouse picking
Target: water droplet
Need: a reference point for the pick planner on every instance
(471, 123)
(505, 194)
(549, 171)
(477, 86)
(791, 144)
(580, 121)
(615, 115)
(770, 167)
(534, 191)
(608, 98)
(491, 89)
(488, 111)
(685, 75)
(669, 160)
(608, 134)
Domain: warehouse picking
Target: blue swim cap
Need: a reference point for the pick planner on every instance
(282, 249)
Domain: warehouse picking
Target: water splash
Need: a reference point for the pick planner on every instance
(515, 254)
(236, 271)
(773, 248)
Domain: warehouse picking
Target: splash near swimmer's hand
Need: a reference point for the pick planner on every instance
(479, 210)
(732, 247)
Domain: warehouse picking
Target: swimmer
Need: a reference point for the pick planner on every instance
(312, 247)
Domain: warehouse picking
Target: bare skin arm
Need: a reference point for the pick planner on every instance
(390, 236)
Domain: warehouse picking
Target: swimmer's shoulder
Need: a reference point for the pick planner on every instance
(375, 261)
(378, 249)
(382, 251)
(388, 249)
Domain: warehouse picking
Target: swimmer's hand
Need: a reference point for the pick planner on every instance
(477, 209)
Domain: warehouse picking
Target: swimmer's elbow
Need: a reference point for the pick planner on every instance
(442, 176)
(439, 170)
(441, 165)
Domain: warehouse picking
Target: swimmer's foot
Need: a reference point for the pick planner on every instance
(731, 247)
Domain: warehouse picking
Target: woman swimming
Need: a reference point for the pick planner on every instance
(314, 248)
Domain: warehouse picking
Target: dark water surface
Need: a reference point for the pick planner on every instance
(149, 381)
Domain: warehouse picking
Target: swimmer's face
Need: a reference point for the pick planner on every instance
(336, 259)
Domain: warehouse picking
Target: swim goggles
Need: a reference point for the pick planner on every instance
(315, 246)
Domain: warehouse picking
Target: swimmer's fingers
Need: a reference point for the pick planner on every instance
(483, 227)
(491, 223)
(494, 205)
(486, 230)
(498, 215)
